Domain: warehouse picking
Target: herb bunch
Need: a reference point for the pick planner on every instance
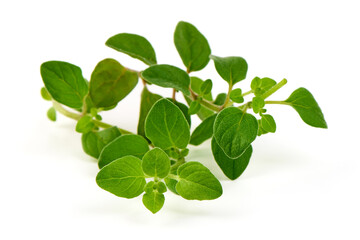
(154, 160)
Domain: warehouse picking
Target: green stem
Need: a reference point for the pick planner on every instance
(178, 163)
(247, 93)
(227, 96)
(204, 102)
(277, 102)
(59, 108)
(274, 89)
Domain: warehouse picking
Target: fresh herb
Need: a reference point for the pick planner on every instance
(155, 159)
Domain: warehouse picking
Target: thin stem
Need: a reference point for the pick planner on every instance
(247, 93)
(277, 102)
(174, 94)
(204, 102)
(274, 89)
(227, 96)
(178, 163)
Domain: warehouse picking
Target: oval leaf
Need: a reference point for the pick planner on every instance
(166, 126)
(234, 131)
(51, 114)
(94, 142)
(85, 124)
(133, 45)
(111, 82)
(231, 69)
(232, 168)
(153, 201)
(156, 163)
(65, 83)
(203, 132)
(192, 46)
(122, 177)
(267, 123)
(307, 107)
(168, 76)
(124, 145)
(196, 182)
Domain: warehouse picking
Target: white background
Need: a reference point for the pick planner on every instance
(302, 182)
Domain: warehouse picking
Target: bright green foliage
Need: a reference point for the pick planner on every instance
(234, 131)
(231, 69)
(167, 76)
(85, 124)
(153, 201)
(124, 145)
(231, 167)
(156, 163)
(111, 82)
(122, 177)
(197, 182)
(203, 132)
(267, 123)
(262, 85)
(45, 94)
(166, 126)
(257, 104)
(94, 142)
(236, 95)
(147, 101)
(157, 159)
(307, 107)
(51, 114)
(192, 46)
(65, 83)
(133, 45)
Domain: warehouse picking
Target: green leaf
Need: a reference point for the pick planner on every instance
(51, 114)
(220, 99)
(85, 124)
(184, 109)
(45, 94)
(153, 201)
(194, 107)
(155, 186)
(206, 87)
(231, 69)
(236, 95)
(203, 132)
(168, 76)
(122, 177)
(197, 182)
(257, 104)
(156, 163)
(111, 82)
(166, 126)
(124, 145)
(192, 46)
(234, 131)
(231, 167)
(307, 107)
(133, 45)
(65, 83)
(94, 142)
(262, 85)
(147, 101)
(267, 123)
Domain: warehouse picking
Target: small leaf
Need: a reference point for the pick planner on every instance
(124, 145)
(111, 82)
(147, 101)
(236, 95)
(65, 83)
(192, 46)
(45, 94)
(153, 201)
(156, 163)
(122, 177)
(206, 87)
(203, 132)
(168, 76)
(94, 142)
(262, 85)
(231, 167)
(161, 187)
(194, 107)
(257, 104)
(307, 107)
(267, 123)
(234, 131)
(85, 124)
(51, 114)
(231, 69)
(197, 182)
(166, 126)
(220, 99)
(133, 45)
